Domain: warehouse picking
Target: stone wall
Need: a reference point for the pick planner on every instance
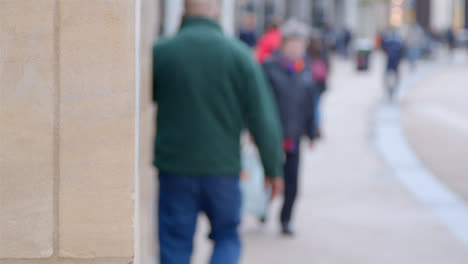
(147, 191)
(67, 131)
(28, 149)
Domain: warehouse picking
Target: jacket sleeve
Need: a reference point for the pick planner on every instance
(158, 53)
(155, 79)
(261, 117)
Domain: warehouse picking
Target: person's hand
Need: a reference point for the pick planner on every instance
(277, 186)
(251, 139)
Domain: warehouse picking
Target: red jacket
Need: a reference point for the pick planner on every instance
(268, 43)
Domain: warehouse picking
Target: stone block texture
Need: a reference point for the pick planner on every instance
(27, 95)
(97, 128)
(67, 132)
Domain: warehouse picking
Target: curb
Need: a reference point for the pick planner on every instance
(447, 207)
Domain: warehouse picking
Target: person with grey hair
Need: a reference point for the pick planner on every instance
(208, 88)
(290, 76)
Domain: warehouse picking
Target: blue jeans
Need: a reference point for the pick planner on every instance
(318, 116)
(181, 199)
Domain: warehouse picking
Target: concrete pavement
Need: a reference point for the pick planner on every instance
(351, 209)
(435, 118)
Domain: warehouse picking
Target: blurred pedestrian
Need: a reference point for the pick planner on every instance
(343, 42)
(414, 43)
(296, 94)
(392, 44)
(269, 42)
(348, 37)
(248, 32)
(329, 37)
(208, 88)
(451, 41)
(378, 39)
(320, 68)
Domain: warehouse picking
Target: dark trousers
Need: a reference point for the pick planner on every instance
(181, 199)
(392, 80)
(291, 168)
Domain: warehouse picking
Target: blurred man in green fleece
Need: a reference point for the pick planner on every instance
(207, 89)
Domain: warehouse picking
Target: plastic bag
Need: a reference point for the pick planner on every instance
(255, 198)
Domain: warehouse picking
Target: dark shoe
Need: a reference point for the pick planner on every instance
(287, 231)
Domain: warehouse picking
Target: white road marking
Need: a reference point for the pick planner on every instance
(445, 205)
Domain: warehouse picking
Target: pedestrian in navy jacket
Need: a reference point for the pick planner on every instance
(296, 93)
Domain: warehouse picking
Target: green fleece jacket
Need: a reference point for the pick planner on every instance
(208, 88)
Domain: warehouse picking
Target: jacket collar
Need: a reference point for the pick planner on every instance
(289, 66)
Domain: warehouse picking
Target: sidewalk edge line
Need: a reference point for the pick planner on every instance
(447, 207)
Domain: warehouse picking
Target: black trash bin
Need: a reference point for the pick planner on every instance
(363, 52)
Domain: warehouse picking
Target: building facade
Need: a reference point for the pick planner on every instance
(362, 17)
(466, 14)
(76, 185)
